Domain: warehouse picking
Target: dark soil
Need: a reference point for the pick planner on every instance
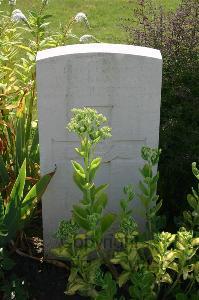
(43, 281)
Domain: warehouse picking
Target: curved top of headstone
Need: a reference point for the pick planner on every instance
(98, 48)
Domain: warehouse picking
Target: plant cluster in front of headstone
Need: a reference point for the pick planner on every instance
(14, 215)
(155, 265)
(175, 33)
(89, 214)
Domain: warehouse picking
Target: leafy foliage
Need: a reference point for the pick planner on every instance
(175, 33)
(88, 215)
(192, 217)
(21, 37)
(148, 188)
(15, 214)
(164, 265)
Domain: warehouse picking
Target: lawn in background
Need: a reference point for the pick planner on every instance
(105, 16)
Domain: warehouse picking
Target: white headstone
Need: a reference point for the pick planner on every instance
(122, 82)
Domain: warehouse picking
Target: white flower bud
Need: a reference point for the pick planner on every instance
(17, 15)
(81, 17)
(86, 38)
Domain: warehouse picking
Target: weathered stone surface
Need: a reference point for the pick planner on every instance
(124, 83)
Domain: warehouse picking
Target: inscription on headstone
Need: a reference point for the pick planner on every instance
(122, 82)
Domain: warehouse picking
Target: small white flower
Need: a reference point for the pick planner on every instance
(12, 2)
(81, 17)
(87, 38)
(17, 15)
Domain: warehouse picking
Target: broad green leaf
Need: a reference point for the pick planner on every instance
(27, 49)
(173, 266)
(34, 195)
(123, 278)
(80, 210)
(78, 285)
(146, 171)
(81, 153)
(13, 208)
(170, 256)
(107, 221)
(80, 182)
(195, 170)
(100, 203)
(153, 188)
(73, 274)
(94, 166)
(143, 188)
(195, 242)
(20, 141)
(166, 278)
(96, 190)
(17, 190)
(82, 222)
(34, 146)
(123, 204)
(78, 168)
(61, 252)
(192, 201)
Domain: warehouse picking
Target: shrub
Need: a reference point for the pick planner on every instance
(155, 265)
(175, 33)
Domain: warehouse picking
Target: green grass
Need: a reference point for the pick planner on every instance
(105, 16)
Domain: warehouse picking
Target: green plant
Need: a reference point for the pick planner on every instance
(142, 285)
(128, 258)
(108, 286)
(19, 208)
(148, 188)
(15, 212)
(192, 217)
(87, 124)
(88, 215)
(170, 265)
(166, 263)
(163, 257)
(175, 33)
(163, 266)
